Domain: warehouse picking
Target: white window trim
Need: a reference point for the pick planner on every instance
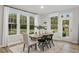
(52, 15)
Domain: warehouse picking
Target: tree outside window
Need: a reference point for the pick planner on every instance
(12, 25)
(54, 24)
(23, 24)
(65, 25)
(31, 25)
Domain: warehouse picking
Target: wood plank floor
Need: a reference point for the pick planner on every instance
(60, 47)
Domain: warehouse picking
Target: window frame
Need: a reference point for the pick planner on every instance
(12, 22)
(18, 13)
(23, 24)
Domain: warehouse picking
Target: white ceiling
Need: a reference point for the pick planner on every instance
(45, 10)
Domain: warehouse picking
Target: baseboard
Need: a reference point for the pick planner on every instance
(66, 41)
(12, 44)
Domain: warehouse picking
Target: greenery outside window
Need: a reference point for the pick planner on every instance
(23, 23)
(54, 24)
(31, 25)
(12, 25)
(65, 28)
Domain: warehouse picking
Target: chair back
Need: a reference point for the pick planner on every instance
(25, 38)
(51, 35)
(44, 36)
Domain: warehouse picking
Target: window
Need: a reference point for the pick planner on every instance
(31, 25)
(12, 24)
(23, 23)
(54, 24)
(65, 28)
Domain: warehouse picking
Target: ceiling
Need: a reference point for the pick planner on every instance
(47, 8)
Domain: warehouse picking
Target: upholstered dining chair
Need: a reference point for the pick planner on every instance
(28, 42)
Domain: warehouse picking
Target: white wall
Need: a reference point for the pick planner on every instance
(42, 19)
(75, 24)
(1, 15)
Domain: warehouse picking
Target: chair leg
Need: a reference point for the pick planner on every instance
(47, 42)
(28, 49)
(35, 46)
(43, 45)
(43, 48)
(39, 44)
(52, 43)
(47, 45)
(23, 47)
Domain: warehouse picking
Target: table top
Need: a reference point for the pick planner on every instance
(38, 36)
(35, 35)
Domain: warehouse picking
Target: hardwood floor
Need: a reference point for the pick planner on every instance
(60, 47)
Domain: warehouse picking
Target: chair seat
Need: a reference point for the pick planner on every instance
(41, 40)
(49, 39)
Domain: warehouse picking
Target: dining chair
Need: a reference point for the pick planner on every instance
(43, 42)
(28, 42)
(50, 39)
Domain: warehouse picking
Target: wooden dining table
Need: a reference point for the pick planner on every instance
(35, 37)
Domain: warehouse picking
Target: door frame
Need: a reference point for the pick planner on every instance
(68, 38)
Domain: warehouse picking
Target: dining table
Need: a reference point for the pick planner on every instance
(36, 37)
